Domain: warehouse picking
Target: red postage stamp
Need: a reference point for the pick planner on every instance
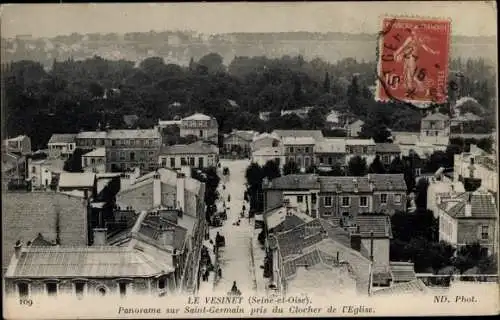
(413, 60)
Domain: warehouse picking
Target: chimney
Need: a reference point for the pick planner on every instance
(181, 186)
(371, 246)
(166, 237)
(355, 182)
(17, 248)
(356, 240)
(156, 190)
(100, 236)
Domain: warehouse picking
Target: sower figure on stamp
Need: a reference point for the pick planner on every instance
(408, 52)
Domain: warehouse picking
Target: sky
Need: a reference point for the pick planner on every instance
(48, 20)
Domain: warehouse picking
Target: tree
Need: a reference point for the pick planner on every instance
(290, 168)
(326, 83)
(421, 193)
(357, 166)
(74, 162)
(396, 166)
(438, 159)
(254, 175)
(271, 170)
(212, 62)
(376, 166)
(469, 256)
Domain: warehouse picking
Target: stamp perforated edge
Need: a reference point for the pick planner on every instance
(379, 43)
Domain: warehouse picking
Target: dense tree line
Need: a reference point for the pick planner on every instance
(80, 95)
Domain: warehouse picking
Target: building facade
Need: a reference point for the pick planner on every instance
(364, 148)
(195, 155)
(387, 152)
(43, 173)
(125, 149)
(202, 126)
(299, 150)
(238, 141)
(95, 161)
(434, 125)
(330, 152)
(62, 145)
(20, 144)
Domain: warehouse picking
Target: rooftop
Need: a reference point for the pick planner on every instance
(379, 224)
(380, 182)
(247, 135)
(402, 271)
(359, 142)
(294, 182)
(25, 214)
(18, 138)
(198, 116)
(280, 221)
(412, 287)
(317, 135)
(436, 117)
(96, 261)
(298, 141)
(266, 135)
(99, 152)
(62, 138)
(120, 134)
(387, 148)
(197, 147)
(76, 179)
(482, 205)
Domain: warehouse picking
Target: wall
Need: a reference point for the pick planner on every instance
(391, 207)
(209, 160)
(469, 230)
(272, 199)
(330, 158)
(337, 209)
(27, 214)
(233, 140)
(447, 228)
(381, 249)
(266, 142)
(140, 198)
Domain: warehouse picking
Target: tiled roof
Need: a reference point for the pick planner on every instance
(25, 214)
(76, 179)
(151, 228)
(62, 138)
(330, 145)
(359, 142)
(99, 152)
(412, 287)
(105, 261)
(198, 116)
(387, 148)
(298, 141)
(317, 135)
(92, 135)
(379, 224)
(388, 182)
(294, 182)
(381, 182)
(335, 232)
(436, 116)
(482, 205)
(197, 147)
(402, 271)
(278, 220)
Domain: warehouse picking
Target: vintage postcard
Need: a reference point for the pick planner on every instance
(243, 160)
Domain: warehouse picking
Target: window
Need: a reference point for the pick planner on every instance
(313, 198)
(321, 160)
(172, 162)
(33, 169)
(85, 163)
(163, 162)
(122, 155)
(290, 149)
(345, 201)
(327, 213)
(348, 150)
(51, 288)
(201, 133)
(306, 150)
(191, 161)
(132, 142)
(123, 289)
(386, 159)
(23, 289)
(328, 201)
(183, 161)
(132, 155)
(113, 142)
(307, 162)
(484, 232)
(363, 202)
(397, 198)
(300, 199)
(71, 147)
(383, 198)
(365, 150)
(79, 289)
(162, 283)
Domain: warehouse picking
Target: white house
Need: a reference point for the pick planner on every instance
(62, 145)
(485, 168)
(198, 154)
(42, 172)
(200, 125)
(264, 154)
(354, 128)
(95, 160)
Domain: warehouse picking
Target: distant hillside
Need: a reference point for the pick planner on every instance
(180, 47)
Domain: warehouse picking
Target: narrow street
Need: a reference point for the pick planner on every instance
(236, 257)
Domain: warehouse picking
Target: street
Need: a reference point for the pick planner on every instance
(236, 257)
